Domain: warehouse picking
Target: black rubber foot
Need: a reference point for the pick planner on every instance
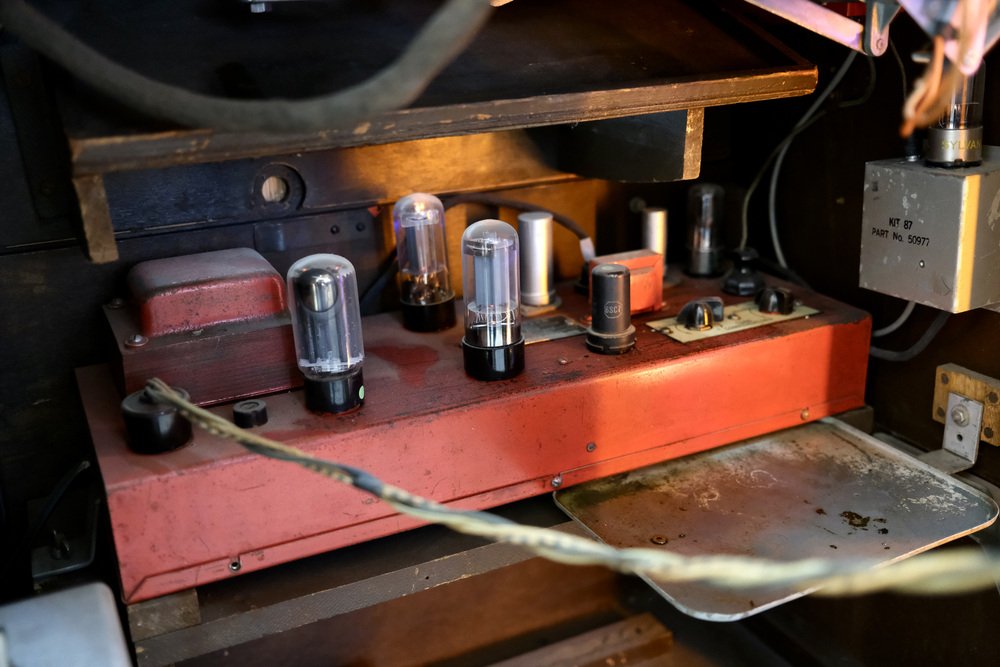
(152, 427)
(494, 363)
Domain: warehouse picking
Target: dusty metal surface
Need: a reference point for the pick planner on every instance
(182, 519)
(819, 490)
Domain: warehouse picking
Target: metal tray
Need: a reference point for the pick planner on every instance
(820, 490)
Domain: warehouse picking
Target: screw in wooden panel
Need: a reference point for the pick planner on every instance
(940, 412)
(944, 378)
(992, 397)
(987, 432)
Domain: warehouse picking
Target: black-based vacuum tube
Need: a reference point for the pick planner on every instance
(493, 346)
(326, 323)
(425, 292)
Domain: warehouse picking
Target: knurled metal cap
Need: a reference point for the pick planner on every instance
(250, 413)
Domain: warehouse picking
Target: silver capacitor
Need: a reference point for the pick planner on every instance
(535, 237)
(654, 230)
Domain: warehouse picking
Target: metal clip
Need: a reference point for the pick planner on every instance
(962, 429)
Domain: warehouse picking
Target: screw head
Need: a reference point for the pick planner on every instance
(658, 539)
(236, 565)
(960, 415)
(591, 446)
(136, 340)
(988, 432)
(557, 481)
(944, 378)
(992, 397)
(804, 415)
(334, 229)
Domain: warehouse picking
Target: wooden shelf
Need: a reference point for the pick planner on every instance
(535, 63)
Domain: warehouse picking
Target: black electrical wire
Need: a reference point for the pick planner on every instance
(518, 205)
(442, 38)
(917, 347)
(58, 492)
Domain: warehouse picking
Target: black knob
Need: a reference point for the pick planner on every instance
(701, 314)
(152, 427)
(743, 279)
(611, 330)
(250, 413)
(775, 301)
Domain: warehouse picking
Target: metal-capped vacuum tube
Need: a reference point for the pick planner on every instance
(424, 284)
(326, 323)
(493, 345)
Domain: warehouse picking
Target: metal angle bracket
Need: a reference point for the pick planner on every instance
(960, 445)
(878, 15)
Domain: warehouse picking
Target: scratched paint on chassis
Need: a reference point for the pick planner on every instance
(180, 519)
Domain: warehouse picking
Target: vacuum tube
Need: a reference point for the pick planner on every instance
(326, 324)
(705, 211)
(493, 346)
(957, 138)
(424, 285)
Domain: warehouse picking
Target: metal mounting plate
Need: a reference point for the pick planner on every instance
(819, 490)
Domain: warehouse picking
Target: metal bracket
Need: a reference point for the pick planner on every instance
(878, 16)
(872, 39)
(960, 445)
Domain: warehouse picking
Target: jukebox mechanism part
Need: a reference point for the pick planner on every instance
(425, 291)
(493, 345)
(611, 330)
(705, 213)
(326, 324)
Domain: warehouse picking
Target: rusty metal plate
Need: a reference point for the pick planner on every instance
(820, 490)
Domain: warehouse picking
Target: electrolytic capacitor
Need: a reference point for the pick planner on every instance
(611, 330)
(654, 230)
(535, 236)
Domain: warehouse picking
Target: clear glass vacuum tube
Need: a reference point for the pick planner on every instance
(425, 292)
(956, 140)
(705, 215)
(326, 324)
(493, 345)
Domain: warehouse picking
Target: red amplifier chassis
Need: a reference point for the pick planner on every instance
(210, 510)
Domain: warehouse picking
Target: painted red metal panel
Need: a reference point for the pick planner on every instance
(192, 292)
(181, 518)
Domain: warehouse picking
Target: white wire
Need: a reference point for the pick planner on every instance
(772, 191)
(899, 321)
